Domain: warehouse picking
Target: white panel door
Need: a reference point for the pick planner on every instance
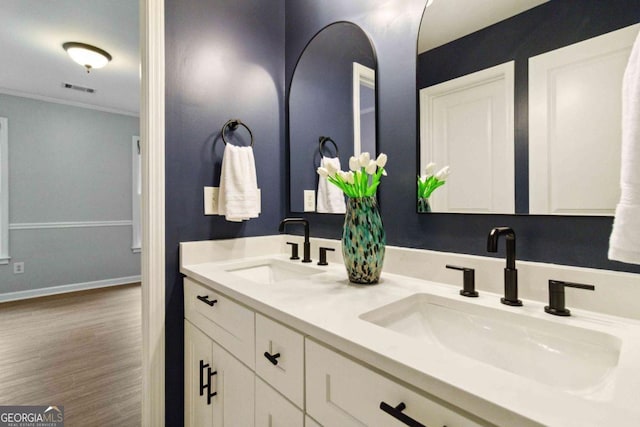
(575, 125)
(467, 123)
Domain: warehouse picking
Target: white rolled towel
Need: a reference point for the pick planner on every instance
(624, 244)
(330, 197)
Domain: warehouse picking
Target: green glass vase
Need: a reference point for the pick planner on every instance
(424, 205)
(363, 241)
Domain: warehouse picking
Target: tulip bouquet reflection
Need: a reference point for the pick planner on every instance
(430, 181)
(362, 179)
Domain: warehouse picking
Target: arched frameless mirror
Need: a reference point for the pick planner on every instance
(332, 95)
(522, 100)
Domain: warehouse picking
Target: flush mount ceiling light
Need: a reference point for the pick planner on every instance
(86, 55)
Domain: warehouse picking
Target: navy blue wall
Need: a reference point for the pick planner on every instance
(544, 28)
(227, 59)
(224, 59)
(393, 29)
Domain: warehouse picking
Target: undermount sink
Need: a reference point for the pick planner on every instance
(270, 271)
(572, 358)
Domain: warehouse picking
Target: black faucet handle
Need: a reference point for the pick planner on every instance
(469, 279)
(323, 255)
(556, 296)
(294, 250)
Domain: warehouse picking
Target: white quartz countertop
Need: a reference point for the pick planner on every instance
(327, 307)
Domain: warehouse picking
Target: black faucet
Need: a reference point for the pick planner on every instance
(510, 272)
(307, 245)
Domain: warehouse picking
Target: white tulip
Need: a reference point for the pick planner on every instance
(381, 160)
(354, 163)
(349, 177)
(429, 169)
(443, 173)
(364, 159)
(331, 169)
(384, 172)
(371, 167)
(323, 172)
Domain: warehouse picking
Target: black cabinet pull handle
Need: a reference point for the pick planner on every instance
(202, 385)
(205, 299)
(273, 358)
(209, 394)
(399, 415)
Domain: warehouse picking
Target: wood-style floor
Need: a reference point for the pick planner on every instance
(81, 350)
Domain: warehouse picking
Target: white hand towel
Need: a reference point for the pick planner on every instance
(239, 195)
(330, 197)
(624, 244)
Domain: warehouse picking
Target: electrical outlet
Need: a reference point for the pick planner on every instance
(211, 200)
(309, 200)
(18, 267)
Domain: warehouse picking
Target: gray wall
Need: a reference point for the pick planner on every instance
(224, 59)
(67, 164)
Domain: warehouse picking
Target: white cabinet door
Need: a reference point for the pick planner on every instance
(341, 392)
(234, 385)
(219, 389)
(273, 410)
(197, 360)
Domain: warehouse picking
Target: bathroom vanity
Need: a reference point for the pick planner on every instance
(271, 341)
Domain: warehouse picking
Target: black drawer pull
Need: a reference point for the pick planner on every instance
(273, 358)
(209, 394)
(202, 386)
(399, 415)
(205, 299)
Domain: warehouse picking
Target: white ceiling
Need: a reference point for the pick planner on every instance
(32, 61)
(448, 20)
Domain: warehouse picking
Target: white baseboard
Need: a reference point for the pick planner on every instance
(63, 289)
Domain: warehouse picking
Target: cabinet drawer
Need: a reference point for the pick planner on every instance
(343, 393)
(230, 324)
(273, 410)
(284, 368)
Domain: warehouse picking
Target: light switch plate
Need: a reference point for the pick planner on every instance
(309, 200)
(211, 200)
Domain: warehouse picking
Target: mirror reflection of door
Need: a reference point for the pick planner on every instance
(364, 109)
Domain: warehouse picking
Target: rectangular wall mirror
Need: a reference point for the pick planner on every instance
(523, 100)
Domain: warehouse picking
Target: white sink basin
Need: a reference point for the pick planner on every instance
(551, 352)
(270, 271)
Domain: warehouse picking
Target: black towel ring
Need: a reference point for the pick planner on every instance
(233, 125)
(322, 140)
